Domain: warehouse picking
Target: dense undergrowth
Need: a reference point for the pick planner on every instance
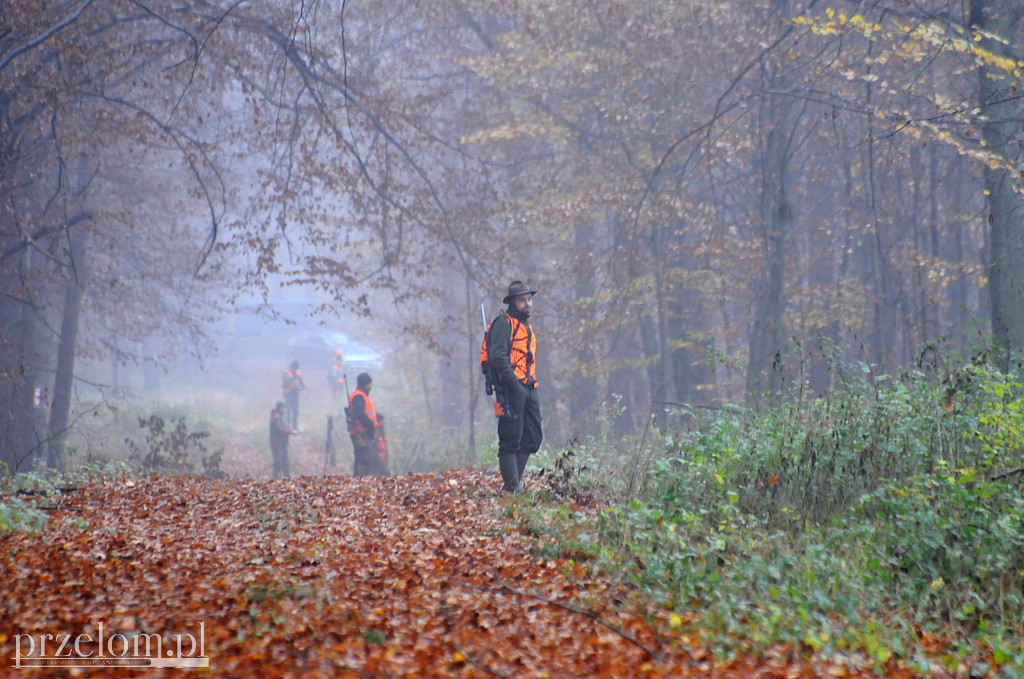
(885, 522)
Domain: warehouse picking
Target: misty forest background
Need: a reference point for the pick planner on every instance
(720, 203)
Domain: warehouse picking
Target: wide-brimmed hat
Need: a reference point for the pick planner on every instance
(516, 288)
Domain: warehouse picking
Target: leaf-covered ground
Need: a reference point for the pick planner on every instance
(408, 576)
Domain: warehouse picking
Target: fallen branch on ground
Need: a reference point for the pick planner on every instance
(582, 611)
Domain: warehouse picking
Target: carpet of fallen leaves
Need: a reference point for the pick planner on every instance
(407, 576)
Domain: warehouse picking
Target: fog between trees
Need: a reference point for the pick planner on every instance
(715, 200)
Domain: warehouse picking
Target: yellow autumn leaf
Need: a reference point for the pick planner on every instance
(675, 622)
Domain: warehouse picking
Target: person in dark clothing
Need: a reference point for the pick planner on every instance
(279, 433)
(511, 352)
(363, 425)
(291, 385)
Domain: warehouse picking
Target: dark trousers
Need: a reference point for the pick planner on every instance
(280, 462)
(367, 462)
(519, 432)
(291, 416)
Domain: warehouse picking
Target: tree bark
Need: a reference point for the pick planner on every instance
(1000, 118)
(21, 425)
(665, 386)
(768, 334)
(63, 383)
(583, 407)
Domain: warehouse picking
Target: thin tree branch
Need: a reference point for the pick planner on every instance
(44, 36)
(40, 233)
(582, 611)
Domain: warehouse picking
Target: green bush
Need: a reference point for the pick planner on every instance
(17, 516)
(850, 524)
(956, 545)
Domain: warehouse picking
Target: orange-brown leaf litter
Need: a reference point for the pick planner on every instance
(406, 576)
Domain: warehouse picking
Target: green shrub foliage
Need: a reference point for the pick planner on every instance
(16, 516)
(848, 524)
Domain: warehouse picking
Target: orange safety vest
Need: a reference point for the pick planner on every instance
(382, 447)
(370, 412)
(291, 381)
(524, 348)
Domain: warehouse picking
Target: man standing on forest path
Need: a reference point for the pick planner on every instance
(511, 352)
(279, 433)
(363, 424)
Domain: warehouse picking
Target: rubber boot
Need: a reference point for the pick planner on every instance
(521, 460)
(507, 465)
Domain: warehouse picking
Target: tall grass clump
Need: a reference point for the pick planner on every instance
(865, 523)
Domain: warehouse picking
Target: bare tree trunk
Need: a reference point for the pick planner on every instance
(1000, 116)
(30, 397)
(962, 294)
(63, 383)
(666, 380)
(473, 356)
(689, 361)
(448, 404)
(768, 334)
(22, 395)
(927, 241)
(583, 404)
(879, 338)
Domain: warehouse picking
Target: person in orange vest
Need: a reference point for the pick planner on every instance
(511, 351)
(362, 428)
(336, 378)
(291, 385)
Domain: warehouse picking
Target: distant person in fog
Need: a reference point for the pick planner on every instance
(279, 433)
(336, 377)
(291, 385)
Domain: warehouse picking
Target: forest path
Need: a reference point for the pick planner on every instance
(406, 576)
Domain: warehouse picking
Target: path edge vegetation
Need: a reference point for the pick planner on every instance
(881, 526)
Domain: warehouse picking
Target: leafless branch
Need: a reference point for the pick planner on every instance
(590, 614)
(45, 35)
(41, 233)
